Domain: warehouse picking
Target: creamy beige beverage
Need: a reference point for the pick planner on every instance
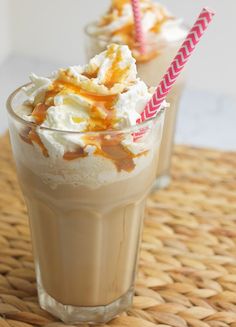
(101, 227)
(163, 36)
(85, 170)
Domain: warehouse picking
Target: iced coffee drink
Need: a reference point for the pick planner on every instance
(163, 36)
(85, 168)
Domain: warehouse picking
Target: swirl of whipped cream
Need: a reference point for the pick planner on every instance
(117, 25)
(103, 95)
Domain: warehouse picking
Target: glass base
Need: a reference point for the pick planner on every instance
(89, 315)
(161, 182)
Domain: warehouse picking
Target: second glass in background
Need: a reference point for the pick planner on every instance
(151, 68)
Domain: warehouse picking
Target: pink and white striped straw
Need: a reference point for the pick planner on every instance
(177, 65)
(139, 35)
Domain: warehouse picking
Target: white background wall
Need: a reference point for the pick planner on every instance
(52, 30)
(5, 39)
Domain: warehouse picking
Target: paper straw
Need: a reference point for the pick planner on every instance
(177, 65)
(139, 35)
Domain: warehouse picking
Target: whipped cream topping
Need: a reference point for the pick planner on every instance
(104, 95)
(158, 24)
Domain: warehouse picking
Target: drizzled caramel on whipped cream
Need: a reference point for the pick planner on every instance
(117, 25)
(101, 113)
(104, 95)
(117, 73)
(120, 14)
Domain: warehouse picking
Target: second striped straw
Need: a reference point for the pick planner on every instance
(139, 35)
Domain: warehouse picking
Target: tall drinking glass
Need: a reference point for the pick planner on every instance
(86, 214)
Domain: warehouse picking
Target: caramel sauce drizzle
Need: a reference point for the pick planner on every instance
(40, 113)
(65, 87)
(106, 145)
(92, 74)
(28, 135)
(157, 27)
(127, 33)
(113, 149)
(119, 4)
(110, 147)
(102, 116)
(115, 73)
(75, 154)
(113, 14)
(33, 136)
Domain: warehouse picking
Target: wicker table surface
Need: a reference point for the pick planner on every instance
(187, 270)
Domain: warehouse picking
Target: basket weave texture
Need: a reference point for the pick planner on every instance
(187, 270)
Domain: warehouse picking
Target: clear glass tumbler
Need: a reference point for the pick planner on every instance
(86, 213)
(151, 69)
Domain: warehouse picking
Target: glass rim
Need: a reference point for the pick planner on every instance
(102, 38)
(131, 129)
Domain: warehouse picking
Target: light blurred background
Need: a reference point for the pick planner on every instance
(40, 36)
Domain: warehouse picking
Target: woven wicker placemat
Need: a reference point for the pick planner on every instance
(187, 271)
